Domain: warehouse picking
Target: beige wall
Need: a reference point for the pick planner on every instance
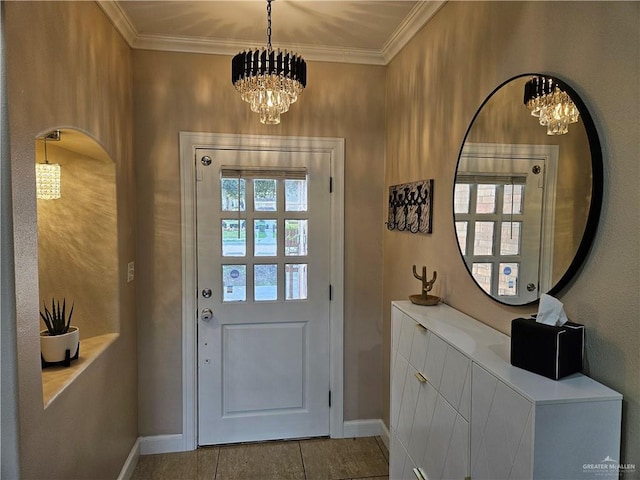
(176, 92)
(434, 87)
(78, 240)
(68, 67)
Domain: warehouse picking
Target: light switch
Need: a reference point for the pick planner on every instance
(130, 271)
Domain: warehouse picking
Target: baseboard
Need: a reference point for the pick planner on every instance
(130, 464)
(162, 444)
(363, 428)
(385, 436)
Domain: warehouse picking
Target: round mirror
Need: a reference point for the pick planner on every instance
(528, 189)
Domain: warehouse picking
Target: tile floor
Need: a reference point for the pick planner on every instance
(313, 459)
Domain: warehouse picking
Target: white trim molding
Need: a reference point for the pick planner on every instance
(365, 428)
(421, 13)
(189, 141)
(162, 444)
(130, 463)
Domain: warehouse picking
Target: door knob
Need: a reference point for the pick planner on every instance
(206, 315)
(531, 287)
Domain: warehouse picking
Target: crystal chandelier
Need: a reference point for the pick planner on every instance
(552, 105)
(48, 174)
(270, 81)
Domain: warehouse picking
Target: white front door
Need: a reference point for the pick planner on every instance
(263, 256)
(498, 205)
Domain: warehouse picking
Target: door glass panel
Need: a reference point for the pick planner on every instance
(234, 238)
(486, 199)
(233, 194)
(295, 281)
(264, 195)
(295, 192)
(461, 197)
(234, 283)
(265, 238)
(512, 199)
(265, 282)
(482, 272)
(483, 241)
(510, 238)
(508, 279)
(461, 231)
(295, 239)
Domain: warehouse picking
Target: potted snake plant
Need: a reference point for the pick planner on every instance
(60, 341)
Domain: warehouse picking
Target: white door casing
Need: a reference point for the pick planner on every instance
(334, 148)
(502, 165)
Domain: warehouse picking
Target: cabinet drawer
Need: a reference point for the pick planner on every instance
(447, 449)
(455, 385)
(501, 429)
(398, 376)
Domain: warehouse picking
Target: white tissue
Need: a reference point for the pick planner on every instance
(551, 311)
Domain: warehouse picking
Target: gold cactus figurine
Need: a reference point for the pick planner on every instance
(424, 298)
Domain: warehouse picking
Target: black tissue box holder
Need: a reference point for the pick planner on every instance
(553, 352)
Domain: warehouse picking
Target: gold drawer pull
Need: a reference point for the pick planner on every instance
(419, 473)
(420, 377)
(421, 327)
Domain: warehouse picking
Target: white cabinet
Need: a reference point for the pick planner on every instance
(459, 409)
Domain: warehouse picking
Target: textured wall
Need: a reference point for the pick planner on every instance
(187, 92)
(78, 240)
(434, 87)
(71, 69)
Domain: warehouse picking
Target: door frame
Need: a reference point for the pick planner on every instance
(189, 141)
(548, 153)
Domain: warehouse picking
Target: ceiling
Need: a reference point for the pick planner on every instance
(356, 31)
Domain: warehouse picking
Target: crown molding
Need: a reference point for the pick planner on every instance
(120, 20)
(416, 19)
(229, 47)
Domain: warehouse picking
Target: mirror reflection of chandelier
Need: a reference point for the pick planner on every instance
(48, 174)
(553, 106)
(269, 80)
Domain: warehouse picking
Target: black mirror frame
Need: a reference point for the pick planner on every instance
(597, 180)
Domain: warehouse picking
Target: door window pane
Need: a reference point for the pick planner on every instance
(234, 283)
(461, 197)
(508, 280)
(265, 238)
(512, 199)
(295, 195)
(486, 199)
(233, 193)
(295, 281)
(265, 282)
(510, 238)
(483, 242)
(234, 238)
(295, 237)
(482, 273)
(461, 232)
(264, 195)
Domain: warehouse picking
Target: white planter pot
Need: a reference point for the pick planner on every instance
(53, 348)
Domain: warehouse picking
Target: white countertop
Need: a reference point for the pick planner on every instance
(491, 349)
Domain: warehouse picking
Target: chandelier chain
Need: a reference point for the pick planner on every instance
(269, 25)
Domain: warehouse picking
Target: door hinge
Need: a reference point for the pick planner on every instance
(329, 398)
(330, 292)
(330, 184)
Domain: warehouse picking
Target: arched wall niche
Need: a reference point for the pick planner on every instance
(77, 233)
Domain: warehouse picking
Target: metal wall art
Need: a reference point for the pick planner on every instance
(410, 206)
